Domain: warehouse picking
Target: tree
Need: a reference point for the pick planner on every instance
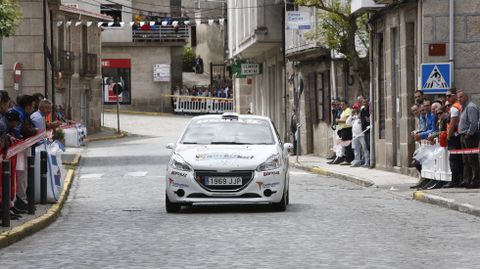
(343, 32)
(188, 59)
(10, 16)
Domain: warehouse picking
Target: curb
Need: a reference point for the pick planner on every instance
(28, 228)
(131, 112)
(324, 172)
(446, 203)
(110, 137)
(75, 161)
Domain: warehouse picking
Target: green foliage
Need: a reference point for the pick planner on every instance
(10, 16)
(188, 59)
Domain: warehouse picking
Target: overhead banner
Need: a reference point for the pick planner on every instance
(298, 20)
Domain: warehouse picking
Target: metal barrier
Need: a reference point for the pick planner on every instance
(6, 174)
(201, 105)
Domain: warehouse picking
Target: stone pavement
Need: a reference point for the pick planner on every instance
(460, 199)
(46, 214)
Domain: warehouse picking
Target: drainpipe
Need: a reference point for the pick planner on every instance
(452, 42)
(372, 103)
(419, 43)
(333, 74)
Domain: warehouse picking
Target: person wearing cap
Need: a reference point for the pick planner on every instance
(453, 139)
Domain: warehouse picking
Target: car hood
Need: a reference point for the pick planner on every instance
(225, 157)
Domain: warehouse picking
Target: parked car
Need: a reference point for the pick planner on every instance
(228, 159)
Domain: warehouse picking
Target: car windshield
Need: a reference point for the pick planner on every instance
(229, 131)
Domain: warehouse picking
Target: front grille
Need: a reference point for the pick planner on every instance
(201, 175)
(245, 195)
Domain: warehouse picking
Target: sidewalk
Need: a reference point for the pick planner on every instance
(46, 214)
(460, 199)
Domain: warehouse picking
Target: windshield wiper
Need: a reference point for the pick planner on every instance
(186, 143)
(226, 143)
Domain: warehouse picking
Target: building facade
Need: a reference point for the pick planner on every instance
(324, 78)
(255, 36)
(405, 35)
(143, 52)
(74, 41)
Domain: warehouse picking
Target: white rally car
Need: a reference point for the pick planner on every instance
(228, 159)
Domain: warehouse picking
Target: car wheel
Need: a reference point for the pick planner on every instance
(171, 207)
(282, 206)
(288, 196)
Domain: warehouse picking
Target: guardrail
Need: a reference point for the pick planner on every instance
(7, 175)
(201, 105)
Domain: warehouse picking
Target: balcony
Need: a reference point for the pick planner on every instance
(89, 64)
(360, 6)
(66, 62)
(164, 34)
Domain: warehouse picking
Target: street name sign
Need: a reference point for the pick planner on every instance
(298, 20)
(250, 69)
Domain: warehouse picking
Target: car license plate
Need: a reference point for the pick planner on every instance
(219, 181)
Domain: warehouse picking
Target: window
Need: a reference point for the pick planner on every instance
(381, 86)
(116, 71)
(114, 11)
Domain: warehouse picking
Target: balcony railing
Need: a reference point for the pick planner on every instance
(166, 33)
(66, 62)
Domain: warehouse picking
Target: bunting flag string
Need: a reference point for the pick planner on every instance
(174, 23)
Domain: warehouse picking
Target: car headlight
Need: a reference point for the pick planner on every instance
(177, 162)
(272, 162)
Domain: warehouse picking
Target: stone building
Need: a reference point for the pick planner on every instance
(324, 77)
(255, 37)
(405, 35)
(76, 51)
(143, 51)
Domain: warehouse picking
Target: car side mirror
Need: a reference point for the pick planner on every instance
(287, 146)
(170, 146)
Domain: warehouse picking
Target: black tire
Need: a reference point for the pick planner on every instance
(171, 207)
(282, 205)
(288, 196)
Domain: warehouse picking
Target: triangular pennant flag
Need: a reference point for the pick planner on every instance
(186, 22)
(164, 23)
(221, 21)
(122, 23)
(78, 23)
(142, 23)
(210, 22)
(59, 23)
(152, 23)
(174, 23)
(68, 23)
(132, 23)
(99, 24)
(88, 24)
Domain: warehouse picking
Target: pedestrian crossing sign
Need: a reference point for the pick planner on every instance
(435, 78)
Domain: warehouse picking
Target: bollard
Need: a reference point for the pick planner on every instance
(6, 193)
(43, 177)
(31, 185)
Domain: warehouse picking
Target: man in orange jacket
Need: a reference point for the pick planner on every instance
(453, 138)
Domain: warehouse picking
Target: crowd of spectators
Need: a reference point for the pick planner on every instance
(351, 132)
(451, 120)
(28, 116)
(221, 90)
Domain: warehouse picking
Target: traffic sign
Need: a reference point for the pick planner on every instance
(436, 78)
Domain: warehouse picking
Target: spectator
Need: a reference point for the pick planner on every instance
(38, 97)
(24, 107)
(419, 97)
(359, 144)
(293, 129)
(345, 133)
(453, 140)
(38, 117)
(337, 148)
(365, 119)
(469, 137)
(430, 123)
(199, 65)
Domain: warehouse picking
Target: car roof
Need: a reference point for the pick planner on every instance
(240, 116)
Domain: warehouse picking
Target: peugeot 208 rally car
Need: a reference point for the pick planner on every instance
(228, 159)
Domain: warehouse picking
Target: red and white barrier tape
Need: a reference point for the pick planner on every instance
(465, 151)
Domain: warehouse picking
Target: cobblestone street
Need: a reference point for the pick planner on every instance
(115, 218)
